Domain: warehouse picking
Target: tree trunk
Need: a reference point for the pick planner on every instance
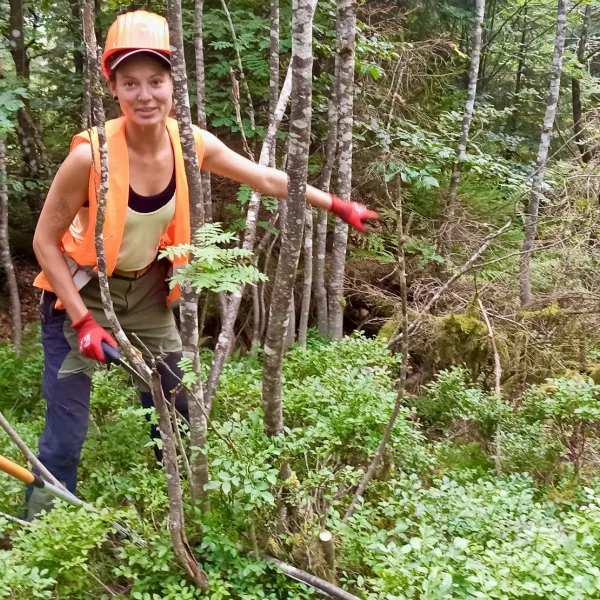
(230, 315)
(35, 160)
(188, 309)
(274, 68)
(240, 66)
(308, 275)
(176, 516)
(324, 184)
(521, 62)
(448, 218)
(346, 39)
(531, 215)
(576, 88)
(201, 100)
(297, 168)
(7, 264)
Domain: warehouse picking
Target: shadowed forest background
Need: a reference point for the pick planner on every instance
(475, 135)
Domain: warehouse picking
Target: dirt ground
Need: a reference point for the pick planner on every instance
(29, 296)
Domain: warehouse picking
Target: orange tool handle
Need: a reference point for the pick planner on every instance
(15, 470)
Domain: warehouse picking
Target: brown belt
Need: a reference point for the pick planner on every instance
(130, 275)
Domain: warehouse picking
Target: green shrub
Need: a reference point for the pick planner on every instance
(21, 375)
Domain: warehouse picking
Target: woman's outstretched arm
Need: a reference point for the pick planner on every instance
(221, 160)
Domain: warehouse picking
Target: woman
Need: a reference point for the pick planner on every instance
(147, 208)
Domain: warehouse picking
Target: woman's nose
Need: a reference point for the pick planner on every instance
(144, 93)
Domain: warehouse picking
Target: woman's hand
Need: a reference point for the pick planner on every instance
(90, 337)
(353, 213)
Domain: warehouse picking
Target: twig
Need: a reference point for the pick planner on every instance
(312, 580)
(235, 89)
(14, 519)
(240, 66)
(175, 420)
(466, 267)
(497, 364)
(31, 457)
(403, 369)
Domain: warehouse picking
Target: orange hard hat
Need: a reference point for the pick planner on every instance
(136, 31)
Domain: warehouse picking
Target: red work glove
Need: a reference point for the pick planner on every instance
(91, 336)
(352, 213)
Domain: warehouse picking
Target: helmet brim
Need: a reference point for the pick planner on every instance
(125, 54)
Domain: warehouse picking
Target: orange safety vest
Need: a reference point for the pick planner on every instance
(178, 232)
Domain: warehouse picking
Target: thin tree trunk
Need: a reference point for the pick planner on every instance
(324, 184)
(521, 62)
(576, 89)
(403, 370)
(201, 100)
(233, 307)
(240, 66)
(7, 263)
(188, 309)
(448, 218)
(274, 67)
(35, 160)
(531, 215)
(308, 275)
(176, 516)
(86, 115)
(346, 40)
(297, 168)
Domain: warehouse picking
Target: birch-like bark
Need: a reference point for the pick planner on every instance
(188, 309)
(240, 66)
(201, 99)
(325, 184)
(290, 333)
(308, 276)
(497, 363)
(274, 67)
(230, 315)
(346, 40)
(531, 215)
(86, 116)
(403, 370)
(258, 315)
(448, 218)
(297, 168)
(6, 258)
(586, 155)
(150, 376)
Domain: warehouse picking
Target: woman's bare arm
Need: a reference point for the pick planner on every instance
(221, 160)
(67, 195)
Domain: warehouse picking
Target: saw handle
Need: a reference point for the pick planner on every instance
(18, 472)
(112, 355)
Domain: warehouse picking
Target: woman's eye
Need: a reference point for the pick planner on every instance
(157, 82)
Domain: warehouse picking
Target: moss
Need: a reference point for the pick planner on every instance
(550, 311)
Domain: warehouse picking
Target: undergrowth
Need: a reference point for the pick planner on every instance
(476, 497)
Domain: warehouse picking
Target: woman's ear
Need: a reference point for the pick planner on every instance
(112, 88)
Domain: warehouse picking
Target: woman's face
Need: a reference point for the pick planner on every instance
(144, 88)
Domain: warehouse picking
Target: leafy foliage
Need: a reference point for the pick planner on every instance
(211, 267)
